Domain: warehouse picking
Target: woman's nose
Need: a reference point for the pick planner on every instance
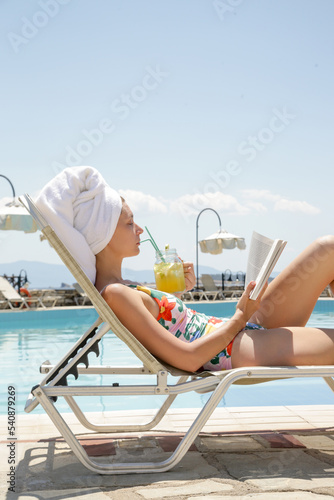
(139, 229)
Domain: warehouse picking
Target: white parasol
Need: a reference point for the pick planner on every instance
(221, 240)
(215, 243)
(14, 217)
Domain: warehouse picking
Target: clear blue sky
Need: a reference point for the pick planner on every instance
(225, 104)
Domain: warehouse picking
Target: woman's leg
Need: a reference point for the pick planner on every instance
(283, 347)
(291, 297)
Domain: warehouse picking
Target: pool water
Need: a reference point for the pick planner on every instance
(28, 338)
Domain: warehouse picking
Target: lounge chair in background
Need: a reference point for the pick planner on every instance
(193, 295)
(57, 382)
(10, 298)
(327, 292)
(81, 298)
(187, 296)
(232, 292)
(211, 291)
(49, 298)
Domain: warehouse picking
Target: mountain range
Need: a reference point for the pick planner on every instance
(43, 275)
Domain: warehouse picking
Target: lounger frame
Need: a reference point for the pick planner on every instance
(58, 377)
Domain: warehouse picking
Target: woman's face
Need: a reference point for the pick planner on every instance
(126, 238)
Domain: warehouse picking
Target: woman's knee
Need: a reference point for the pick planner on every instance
(320, 253)
(324, 246)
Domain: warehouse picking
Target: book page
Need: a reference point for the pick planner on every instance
(262, 259)
(259, 249)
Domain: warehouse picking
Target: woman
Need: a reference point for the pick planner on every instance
(269, 331)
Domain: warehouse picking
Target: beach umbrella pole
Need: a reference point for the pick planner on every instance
(1, 175)
(220, 224)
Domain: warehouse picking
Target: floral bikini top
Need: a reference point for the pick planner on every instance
(186, 324)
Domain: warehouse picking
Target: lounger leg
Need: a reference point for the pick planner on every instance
(125, 428)
(330, 382)
(102, 468)
(17, 308)
(125, 468)
(194, 430)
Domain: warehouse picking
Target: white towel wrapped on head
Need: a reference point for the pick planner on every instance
(83, 210)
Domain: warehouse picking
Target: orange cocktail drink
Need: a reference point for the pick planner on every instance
(169, 275)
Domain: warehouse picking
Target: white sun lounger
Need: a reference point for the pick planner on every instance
(211, 291)
(9, 297)
(57, 382)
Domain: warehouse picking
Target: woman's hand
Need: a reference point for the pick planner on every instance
(246, 307)
(189, 275)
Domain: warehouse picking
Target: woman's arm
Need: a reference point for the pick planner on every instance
(128, 306)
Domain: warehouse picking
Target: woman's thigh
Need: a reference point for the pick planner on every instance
(291, 297)
(283, 347)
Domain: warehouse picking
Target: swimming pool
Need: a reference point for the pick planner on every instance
(27, 338)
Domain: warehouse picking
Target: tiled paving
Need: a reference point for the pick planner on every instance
(251, 453)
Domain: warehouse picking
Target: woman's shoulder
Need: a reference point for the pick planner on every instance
(120, 295)
(116, 285)
(129, 288)
(115, 289)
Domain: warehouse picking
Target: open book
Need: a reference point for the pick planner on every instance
(263, 255)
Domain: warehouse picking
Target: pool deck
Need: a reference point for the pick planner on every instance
(252, 453)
